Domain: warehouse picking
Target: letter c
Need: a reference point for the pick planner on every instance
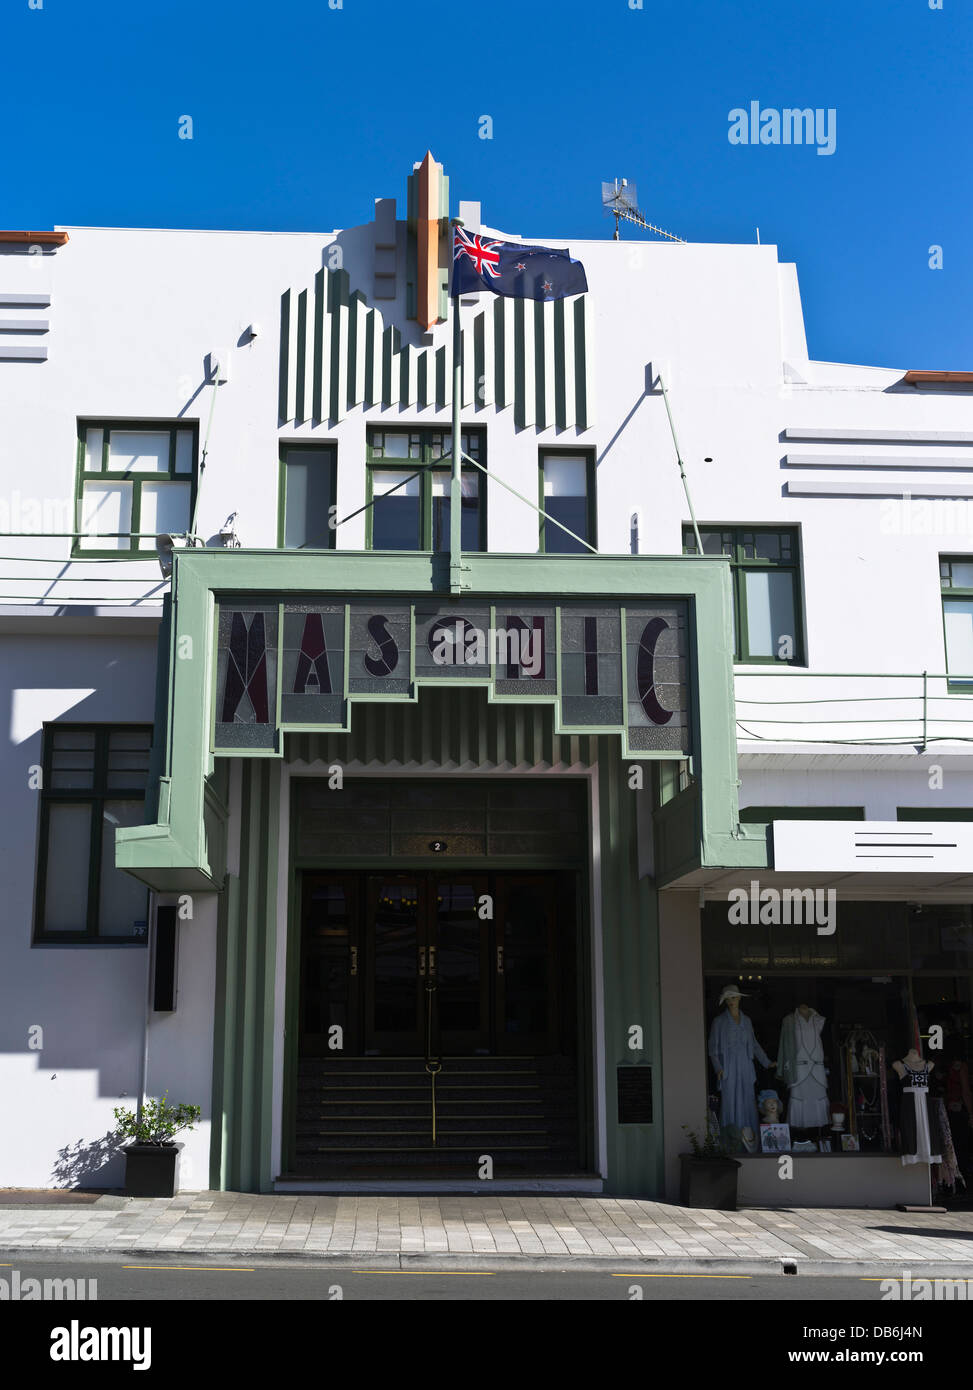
(645, 671)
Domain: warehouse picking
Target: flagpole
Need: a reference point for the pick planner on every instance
(456, 482)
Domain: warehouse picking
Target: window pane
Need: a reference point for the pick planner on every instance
(470, 521)
(565, 476)
(72, 760)
(961, 574)
(93, 444)
(138, 451)
(714, 542)
(395, 519)
(128, 758)
(767, 545)
(124, 901)
(396, 446)
(66, 883)
(184, 451)
(443, 443)
(770, 611)
(106, 507)
(572, 512)
(307, 484)
(165, 507)
(958, 613)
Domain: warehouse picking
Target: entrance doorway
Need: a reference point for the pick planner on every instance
(438, 1022)
(437, 964)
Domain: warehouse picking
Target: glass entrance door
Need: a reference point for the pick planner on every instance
(527, 958)
(396, 963)
(438, 964)
(427, 982)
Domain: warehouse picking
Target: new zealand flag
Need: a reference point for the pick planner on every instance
(509, 268)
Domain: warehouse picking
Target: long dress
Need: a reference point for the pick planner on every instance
(807, 1103)
(918, 1120)
(732, 1048)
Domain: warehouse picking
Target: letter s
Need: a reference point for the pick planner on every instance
(386, 663)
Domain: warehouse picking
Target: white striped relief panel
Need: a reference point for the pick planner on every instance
(337, 353)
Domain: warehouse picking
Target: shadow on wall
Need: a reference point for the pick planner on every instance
(78, 1165)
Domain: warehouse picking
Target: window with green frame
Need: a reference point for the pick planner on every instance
(133, 478)
(306, 496)
(93, 780)
(408, 490)
(956, 581)
(566, 491)
(766, 570)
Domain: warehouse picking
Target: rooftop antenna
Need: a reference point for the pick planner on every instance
(621, 199)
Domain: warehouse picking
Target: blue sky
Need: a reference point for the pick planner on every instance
(303, 114)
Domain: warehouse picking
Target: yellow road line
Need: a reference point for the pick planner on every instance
(209, 1269)
(682, 1276)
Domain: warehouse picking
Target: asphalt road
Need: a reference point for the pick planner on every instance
(185, 1278)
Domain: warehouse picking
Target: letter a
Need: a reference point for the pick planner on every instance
(739, 133)
(185, 127)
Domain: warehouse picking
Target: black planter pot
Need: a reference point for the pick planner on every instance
(708, 1182)
(150, 1169)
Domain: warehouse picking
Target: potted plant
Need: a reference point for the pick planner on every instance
(708, 1176)
(150, 1159)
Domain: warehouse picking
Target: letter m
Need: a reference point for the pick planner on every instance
(797, 127)
(797, 905)
(59, 1288)
(949, 1289)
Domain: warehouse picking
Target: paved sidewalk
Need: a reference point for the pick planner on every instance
(569, 1230)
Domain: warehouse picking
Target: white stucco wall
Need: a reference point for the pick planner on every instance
(89, 1001)
(133, 315)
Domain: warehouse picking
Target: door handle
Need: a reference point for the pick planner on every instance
(499, 960)
(432, 960)
(353, 968)
(422, 962)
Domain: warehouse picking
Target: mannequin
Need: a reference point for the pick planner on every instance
(770, 1110)
(732, 1048)
(919, 1126)
(801, 1065)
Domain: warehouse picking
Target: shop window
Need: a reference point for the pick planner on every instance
(845, 1107)
(134, 482)
(567, 493)
(887, 972)
(956, 580)
(307, 497)
(93, 780)
(409, 504)
(766, 573)
(941, 936)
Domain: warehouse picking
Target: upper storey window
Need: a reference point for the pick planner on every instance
(956, 579)
(409, 476)
(566, 487)
(766, 570)
(306, 518)
(134, 482)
